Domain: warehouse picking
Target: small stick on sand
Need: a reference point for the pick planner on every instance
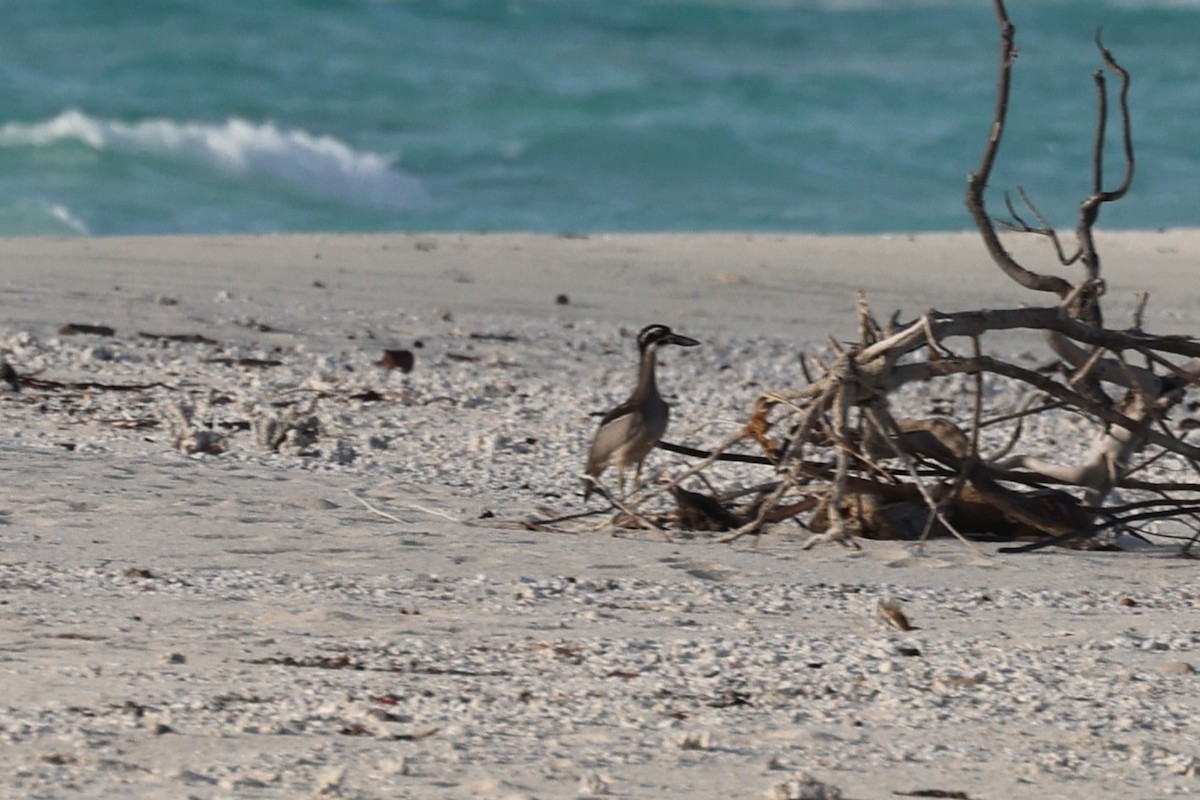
(433, 512)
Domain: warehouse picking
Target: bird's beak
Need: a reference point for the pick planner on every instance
(682, 341)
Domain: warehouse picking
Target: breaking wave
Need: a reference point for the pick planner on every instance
(322, 164)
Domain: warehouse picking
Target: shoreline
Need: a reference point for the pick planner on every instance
(728, 280)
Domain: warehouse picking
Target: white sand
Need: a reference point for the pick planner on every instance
(238, 625)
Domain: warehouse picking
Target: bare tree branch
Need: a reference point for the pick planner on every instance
(977, 181)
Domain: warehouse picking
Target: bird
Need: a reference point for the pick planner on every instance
(632, 429)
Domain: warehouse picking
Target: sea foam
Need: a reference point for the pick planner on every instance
(321, 163)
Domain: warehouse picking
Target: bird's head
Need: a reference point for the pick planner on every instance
(660, 335)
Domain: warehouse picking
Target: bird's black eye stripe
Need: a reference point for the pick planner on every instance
(652, 333)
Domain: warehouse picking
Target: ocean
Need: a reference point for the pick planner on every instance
(850, 116)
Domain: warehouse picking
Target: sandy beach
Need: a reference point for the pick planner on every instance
(241, 558)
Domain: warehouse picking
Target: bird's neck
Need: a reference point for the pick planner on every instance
(646, 384)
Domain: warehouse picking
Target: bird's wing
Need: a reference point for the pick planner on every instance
(622, 410)
(616, 428)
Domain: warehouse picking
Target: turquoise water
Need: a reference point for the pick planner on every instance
(573, 115)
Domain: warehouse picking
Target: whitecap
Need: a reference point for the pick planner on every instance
(321, 163)
(63, 214)
(34, 218)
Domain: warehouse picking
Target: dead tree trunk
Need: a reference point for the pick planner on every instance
(841, 451)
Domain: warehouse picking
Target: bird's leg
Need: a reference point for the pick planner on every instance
(621, 481)
(637, 487)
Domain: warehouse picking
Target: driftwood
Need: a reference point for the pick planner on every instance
(838, 448)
